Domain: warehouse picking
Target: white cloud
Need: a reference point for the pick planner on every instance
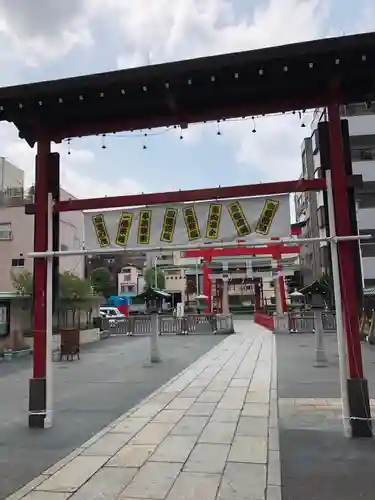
(76, 168)
(162, 30)
(190, 28)
(42, 30)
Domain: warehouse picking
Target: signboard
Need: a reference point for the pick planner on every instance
(180, 224)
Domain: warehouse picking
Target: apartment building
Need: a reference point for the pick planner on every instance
(181, 274)
(130, 282)
(361, 120)
(11, 177)
(306, 211)
(17, 230)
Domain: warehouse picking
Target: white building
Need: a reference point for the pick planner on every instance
(130, 281)
(11, 177)
(17, 229)
(361, 120)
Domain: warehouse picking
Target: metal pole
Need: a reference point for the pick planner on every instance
(154, 339)
(196, 276)
(321, 358)
(341, 343)
(155, 272)
(199, 246)
(49, 323)
(361, 259)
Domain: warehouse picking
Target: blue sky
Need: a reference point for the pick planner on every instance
(50, 39)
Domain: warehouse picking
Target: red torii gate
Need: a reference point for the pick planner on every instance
(275, 250)
(322, 73)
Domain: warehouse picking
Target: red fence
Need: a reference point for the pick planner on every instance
(264, 320)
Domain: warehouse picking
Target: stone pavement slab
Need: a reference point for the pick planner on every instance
(111, 378)
(210, 433)
(312, 444)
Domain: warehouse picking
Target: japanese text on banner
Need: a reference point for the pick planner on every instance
(238, 218)
(101, 230)
(213, 221)
(124, 228)
(144, 227)
(191, 223)
(266, 217)
(169, 225)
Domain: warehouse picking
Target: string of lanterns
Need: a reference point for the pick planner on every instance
(145, 135)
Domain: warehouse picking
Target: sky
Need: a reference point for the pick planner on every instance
(48, 39)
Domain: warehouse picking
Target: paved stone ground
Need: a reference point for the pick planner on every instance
(317, 461)
(210, 433)
(111, 377)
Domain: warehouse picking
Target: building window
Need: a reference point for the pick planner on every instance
(18, 262)
(368, 246)
(367, 154)
(4, 319)
(5, 231)
(365, 200)
(358, 109)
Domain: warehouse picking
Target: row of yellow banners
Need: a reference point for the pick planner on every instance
(235, 210)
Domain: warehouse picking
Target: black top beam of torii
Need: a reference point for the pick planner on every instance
(289, 77)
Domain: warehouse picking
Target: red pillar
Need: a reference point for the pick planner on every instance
(341, 204)
(281, 285)
(37, 403)
(207, 284)
(357, 386)
(40, 265)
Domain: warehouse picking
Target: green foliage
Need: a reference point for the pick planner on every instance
(325, 283)
(102, 282)
(23, 283)
(154, 278)
(73, 290)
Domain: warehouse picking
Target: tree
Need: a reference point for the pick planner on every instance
(23, 283)
(103, 282)
(72, 288)
(154, 277)
(325, 283)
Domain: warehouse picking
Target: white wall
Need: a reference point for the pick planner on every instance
(71, 235)
(22, 242)
(368, 265)
(130, 278)
(10, 175)
(175, 280)
(366, 169)
(361, 125)
(366, 218)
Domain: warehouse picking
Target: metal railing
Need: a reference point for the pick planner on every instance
(304, 322)
(168, 325)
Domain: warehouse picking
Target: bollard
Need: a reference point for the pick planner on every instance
(154, 339)
(321, 357)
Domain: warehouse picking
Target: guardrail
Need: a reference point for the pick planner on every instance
(168, 325)
(304, 322)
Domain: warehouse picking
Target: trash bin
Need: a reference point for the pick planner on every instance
(69, 343)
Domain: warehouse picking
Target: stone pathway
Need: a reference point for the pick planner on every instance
(209, 433)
